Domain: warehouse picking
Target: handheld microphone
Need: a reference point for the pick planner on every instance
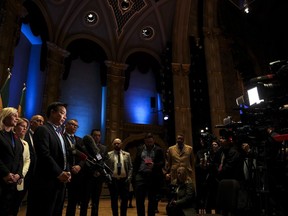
(90, 145)
(79, 154)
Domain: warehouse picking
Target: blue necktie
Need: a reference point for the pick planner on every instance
(59, 130)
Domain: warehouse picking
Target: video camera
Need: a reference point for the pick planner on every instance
(265, 103)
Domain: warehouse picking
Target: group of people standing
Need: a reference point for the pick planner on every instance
(43, 161)
(48, 160)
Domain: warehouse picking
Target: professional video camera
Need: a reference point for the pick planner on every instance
(266, 101)
(264, 126)
(91, 155)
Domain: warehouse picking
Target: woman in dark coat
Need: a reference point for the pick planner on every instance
(183, 199)
(11, 160)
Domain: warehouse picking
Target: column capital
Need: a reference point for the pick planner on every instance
(180, 69)
(186, 69)
(116, 68)
(58, 50)
(176, 68)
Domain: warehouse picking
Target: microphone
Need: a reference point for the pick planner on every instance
(79, 154)
(95, 159)
(90, 145)
(262, 78)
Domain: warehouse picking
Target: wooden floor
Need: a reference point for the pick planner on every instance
(105, 209)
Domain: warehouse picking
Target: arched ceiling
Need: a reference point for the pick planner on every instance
(118, 26)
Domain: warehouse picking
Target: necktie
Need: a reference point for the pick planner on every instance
(119, 164)
(72, 139)
(59, 130)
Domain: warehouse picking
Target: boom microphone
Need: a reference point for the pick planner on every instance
(262, 78)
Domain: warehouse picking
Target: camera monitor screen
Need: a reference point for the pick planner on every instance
(253, 96)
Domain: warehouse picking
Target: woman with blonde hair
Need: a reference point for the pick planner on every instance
(183, 199)
(20, 130)
(11, 160)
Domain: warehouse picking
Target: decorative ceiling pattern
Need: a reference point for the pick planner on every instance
(124, 10)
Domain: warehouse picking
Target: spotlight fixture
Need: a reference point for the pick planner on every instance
(166, 117)
(91, 18)
(147, 32)
(242, 5)
(125, 5)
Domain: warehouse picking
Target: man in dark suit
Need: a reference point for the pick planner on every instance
(76, 163)
(11, 160)
(35, 121)
(52, 169)
(120, 163)
(93, 180)
(148, 175)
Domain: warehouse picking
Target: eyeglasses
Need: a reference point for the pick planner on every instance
(38, 120)
(74, 125)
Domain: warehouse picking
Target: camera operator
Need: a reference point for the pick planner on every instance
(231, 165)
(202, 172)
(207, 163)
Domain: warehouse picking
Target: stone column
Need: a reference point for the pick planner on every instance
(54, 71)
(115, 97)
(10, 13)
(182, 101)
(215, 79)
(223, 82)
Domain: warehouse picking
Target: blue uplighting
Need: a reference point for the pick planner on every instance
(34, 83)
(103, 113)
(25, 29)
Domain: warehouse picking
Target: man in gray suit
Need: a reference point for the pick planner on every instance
(120, 163)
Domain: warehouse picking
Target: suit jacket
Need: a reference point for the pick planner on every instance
(158, 163)
(177, 158)
(184, 195)
(126, 160)
(29, 139)
(50, 157)
(11, 160)
(74, 159)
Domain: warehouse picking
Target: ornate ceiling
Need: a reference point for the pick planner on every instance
(120, 27)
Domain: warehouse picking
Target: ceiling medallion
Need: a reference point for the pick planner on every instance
(125, 5)
(91, 18)
(147, 33)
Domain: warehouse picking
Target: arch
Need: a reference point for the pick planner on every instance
(88, 51)
(144, 50)
(144, 61)
(91, 38)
